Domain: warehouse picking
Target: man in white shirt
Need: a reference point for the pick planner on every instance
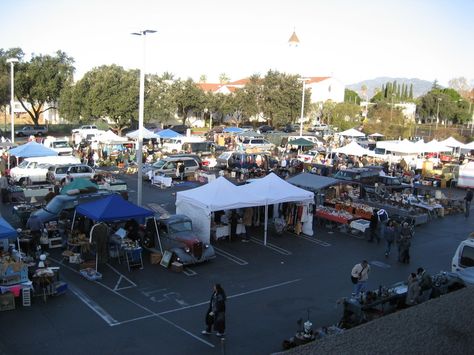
(359, 276)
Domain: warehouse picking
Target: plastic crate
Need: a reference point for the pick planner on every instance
(91, 274)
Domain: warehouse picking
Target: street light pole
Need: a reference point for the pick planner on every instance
(141, 110)
(12, 62)
(302, 105)
(437, 113)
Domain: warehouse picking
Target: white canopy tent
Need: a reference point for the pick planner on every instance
(452, 142)
(468, 146)
(147, 134)
(110, 137)
(376, 135)
(221, 194)
(351, 133)
(353, 148)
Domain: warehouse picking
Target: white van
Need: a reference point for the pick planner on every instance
(464, 255)
(59, 145)
(175, 145)
(33, 170)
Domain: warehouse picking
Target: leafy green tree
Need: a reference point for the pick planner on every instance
(410, 95)
(345, 115)
(108, 93)
(188, 98)
(223, 78)
(351, 96)
(38, 83)
(159, 102)
(248, 100)
(386, 120)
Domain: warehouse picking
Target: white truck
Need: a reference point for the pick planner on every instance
(33, 170)
(463, 260)
(85, 132)
(60, 145)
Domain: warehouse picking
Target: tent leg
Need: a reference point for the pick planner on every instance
(266, 226)
(158, 236)
(73, 220)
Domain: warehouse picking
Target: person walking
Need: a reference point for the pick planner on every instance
(467, 201)
(215, 315)
(359, 277)
(4, 187)
(404, 243)
(413, 290)
(374, 220)
(181, 169)
(382, 216)
(390, 234)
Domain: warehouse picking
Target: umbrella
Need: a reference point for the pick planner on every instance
(301, 142)
(232, 130)
(79, 184)
(32, 149)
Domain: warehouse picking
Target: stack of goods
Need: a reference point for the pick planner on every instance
(362, 210)
(340, 216)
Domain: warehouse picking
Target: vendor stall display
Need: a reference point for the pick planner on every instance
(15, 194)
(23, 211)
(333, 215)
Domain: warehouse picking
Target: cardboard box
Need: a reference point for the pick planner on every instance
(155, 258)
(7, 301)
(177, 267)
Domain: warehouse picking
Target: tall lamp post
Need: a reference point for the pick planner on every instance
(302, 105)
(141, 109)
(12, 62)
(437, 112)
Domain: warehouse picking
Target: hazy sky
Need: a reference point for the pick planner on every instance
(352, 40)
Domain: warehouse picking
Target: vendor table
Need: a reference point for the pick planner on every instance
(332, 218)
(360, 225)
(222, 231)
(113, 185)
(16, 194)
(162, 180)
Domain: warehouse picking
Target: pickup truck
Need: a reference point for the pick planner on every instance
(176, 235)
(31, 131)
(86, 129)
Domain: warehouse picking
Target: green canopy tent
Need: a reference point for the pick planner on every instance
(301, 142)
(79, 184)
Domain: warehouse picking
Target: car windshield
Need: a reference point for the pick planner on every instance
(55, 205)
(63, 144)
(23, 164)
(159, 164)
(180, 227)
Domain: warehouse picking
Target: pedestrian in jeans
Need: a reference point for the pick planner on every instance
(359, 277)
(215, 316)
(390, 234)
(467, 200)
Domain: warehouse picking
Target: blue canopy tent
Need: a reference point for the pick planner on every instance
(232, 130)
(113, 208)
(168, 133)
(7, 232)
(32, 149)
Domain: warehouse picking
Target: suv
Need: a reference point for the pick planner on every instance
(167, 166)
(365, 176)
(67, 203)
(59, 172)
(176, 235)
(259, 143)
(31, 131)
(392, 183)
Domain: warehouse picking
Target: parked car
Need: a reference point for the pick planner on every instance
(260, 143)
(318, 127)
(59, 172)
(59, 145)
(33, 170)
(289, 128)
(176, 235)
(32, 131)
(265, 129)
(66, 203)
(365, 176)
(179, 128)
(167, 166)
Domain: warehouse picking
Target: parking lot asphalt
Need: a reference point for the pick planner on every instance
(269, 288)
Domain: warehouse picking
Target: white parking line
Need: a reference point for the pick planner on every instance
(316, 241)
(271, 246)
(189, 272)
(230, 256)
(93, 306)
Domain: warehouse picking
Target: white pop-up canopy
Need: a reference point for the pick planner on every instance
(452, 142)
(147, 134)
(351, 133)
(111, 137)
(221, 194)
(353, 148)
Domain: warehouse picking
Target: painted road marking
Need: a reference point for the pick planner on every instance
(149, 311)
(230, 256)
(92, 305)
(189, 272)
(316, 241)
(271, 246)
(122, 277)
(380, 264)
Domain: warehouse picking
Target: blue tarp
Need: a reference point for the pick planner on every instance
(232, 130)
(32, 149)
(6, 230)
(112, 208)
(168, 133)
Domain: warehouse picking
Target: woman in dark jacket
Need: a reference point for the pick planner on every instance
(215, 315)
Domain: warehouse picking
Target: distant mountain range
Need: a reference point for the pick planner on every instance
(420, 87)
